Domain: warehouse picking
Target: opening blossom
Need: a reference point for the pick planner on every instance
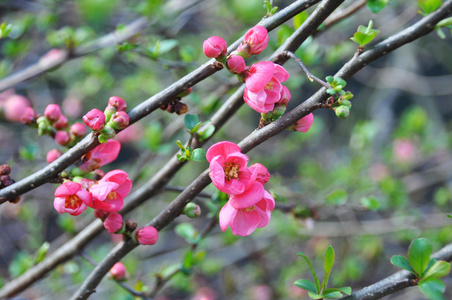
(101, 155)
(263, 86)
(304, 124)
(254, 42)
(94, 119)
(113, 222)
(71, 198)
(108, 193)
(214, 47)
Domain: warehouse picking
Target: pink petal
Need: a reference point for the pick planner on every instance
(58, 204)
(259, 75)
(107, 152)
(233, 187)
(223, 149)
(84, 196)
(101, 190)
(280, 73)
(249, 197)
(305, 123)
(256, 100)
(67, 188)
(238, 159)
(227, 214)
(217, 173)
(245, 222)
(124, 188)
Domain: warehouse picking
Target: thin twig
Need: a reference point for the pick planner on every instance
(311, 77)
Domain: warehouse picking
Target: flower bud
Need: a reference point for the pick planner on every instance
(62, 123)
(62, 138)
(192, 210)
(113, 223)
(118, 103)
(107, 133)
(29, 116)
(118, 272)
(94, 119)
(5, 169)
(214, 47)
(131, 225)
(52, 112)
(180, 108)
(14, 107)
(52, 155)
(119, 120)
(257, 39)
(78, 129)
(236, 64)
(101, 214)
(304, 124)
(342, 111)
(147, 235)
(5, 181)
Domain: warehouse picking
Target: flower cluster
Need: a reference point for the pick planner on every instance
(263, 79)
(113, 118)
(249, 204)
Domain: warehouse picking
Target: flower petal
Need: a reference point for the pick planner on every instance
(249, 197)
(223, 149)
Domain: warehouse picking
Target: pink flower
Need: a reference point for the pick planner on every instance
(52, 112)
(29, 116)
(101, 214)
(108, 193)
(118, 103)
(403, 150)
(73, 107)
(263, 85)
(147, 235)
(228, 169)
(304, 124)
(62, 123)
(14, 107)
(101, 155)
(236, 64)
(71, 198)
(52, 155)
(62, 137)
(94, 119)
(257, 39)
(132, 133)
(113, 222)
(262, 173)
(244, 221)
(118, 272)
(78, 129)
(214, 47)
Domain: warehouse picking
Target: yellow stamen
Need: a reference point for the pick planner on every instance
(112, 195)
(231, 170)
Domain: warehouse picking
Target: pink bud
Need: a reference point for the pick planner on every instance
(118, 272)
(52, 112)
(214, 47)
(147, 235)
(119, 120)
(113, 222)
(305, 123)
(14, 107)
(72, 107)
(236, 64)
(78, 129)
(52, 155)
(257, 39)
(62, 122)
(29, 116)
(62, 138)
(117, 102)
(94, 119)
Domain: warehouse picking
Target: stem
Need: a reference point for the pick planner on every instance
(311, 77)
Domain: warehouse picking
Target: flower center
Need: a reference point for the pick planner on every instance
(269, 85)
(112, 195)
(72, 202)
(248, 209)
(231, 170)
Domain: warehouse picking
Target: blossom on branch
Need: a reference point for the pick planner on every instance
(254, 42)
(94, 119)
(101, 155)
(71, 198)
(214, 47)
(147, 235)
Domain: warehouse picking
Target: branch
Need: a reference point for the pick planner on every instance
(43, 65)
(395, 282)
(175, 208)
(145, 108)
(151, 188)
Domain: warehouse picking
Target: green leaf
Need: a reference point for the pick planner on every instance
(376, 6)
(345, 290)
(419, 255)
(191, 121)
(199, 155)
(370, 203)
(329, 79)
(186, 230)
(337, 197)
(328, 266)
(428, 6)
(332, 295)
(206, 133)
(21, 263)
(402, 262)
(42, 252)
(187, 263)
(315, 296)
(167, 45)
(438, 270)
(314, 275)
(306, 285)
(432, 288)
(449, 216)
(299, 19)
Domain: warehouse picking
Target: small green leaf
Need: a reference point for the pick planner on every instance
(191, 121)
(328, 266)
(206, 133)
(314, 275)
(332, 294)
(402, 262)
(419, 255)
(338, 197)
(306, 285)
(329, 79)
(299, 19)
(186, 230)
(449, 216)
(331, 91)
(432, 288)
(315, 296)
(167, 45)
(428, 6)
(199, 155)
(370, 203)
(42, 252)
(188, 260)
(438, 270)
(376, 6)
